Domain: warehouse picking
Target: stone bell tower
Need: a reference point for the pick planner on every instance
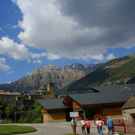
(50, 87)
(50, 91)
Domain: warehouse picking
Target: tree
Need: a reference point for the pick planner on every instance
(10, 110)
(37, 112)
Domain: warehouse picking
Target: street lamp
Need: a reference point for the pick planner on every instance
(1, 117)
(32, 115)
(15, 116)
(123, 77)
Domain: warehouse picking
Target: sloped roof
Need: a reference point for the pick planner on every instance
(107, 94)
(52, 103)
(7, 93)
(130, 103)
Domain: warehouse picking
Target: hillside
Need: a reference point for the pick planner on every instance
(61, 76)
(107, 74)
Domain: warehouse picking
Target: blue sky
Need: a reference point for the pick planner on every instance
(36, 33)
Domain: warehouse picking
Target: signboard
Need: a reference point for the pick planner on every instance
(74, 114)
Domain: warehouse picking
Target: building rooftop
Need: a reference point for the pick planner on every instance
(10, 93)
(52, 103)
(106, 94)
(130, 103)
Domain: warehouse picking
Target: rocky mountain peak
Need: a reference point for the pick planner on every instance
(47, 68)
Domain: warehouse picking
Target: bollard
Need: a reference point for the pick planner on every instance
(74, 129)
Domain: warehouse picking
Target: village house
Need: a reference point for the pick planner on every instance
(14, 98)
(103, 100)
(42, 92)
(128, 110)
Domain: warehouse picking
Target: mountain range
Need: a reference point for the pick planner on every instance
(61, 76)
(77, 78)
(108, 74)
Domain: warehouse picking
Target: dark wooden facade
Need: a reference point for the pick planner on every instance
(90, 110)
(104, 100)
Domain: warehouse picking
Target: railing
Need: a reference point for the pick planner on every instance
(121, 126)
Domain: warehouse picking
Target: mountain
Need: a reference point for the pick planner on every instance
(61, 76)
(107, 74)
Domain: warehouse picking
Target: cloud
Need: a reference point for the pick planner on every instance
(15, 26)
(3, 66)
(48, 55)
(21, 52)
(12, 49)
(28, 73)
(10, 72)
(8, 82)
(37, 61)
(0, 28)
(76, 29)
(110, 56)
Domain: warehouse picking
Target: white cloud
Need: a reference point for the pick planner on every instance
(49, 29)
(8, 82)
(75, 29)
(98, 57)
(48, 55)
(21, 52)
(3, 66)
(28, 73)
(12, 49)
(37, 61)
(10, 72)
(110, 56)
(15, 26)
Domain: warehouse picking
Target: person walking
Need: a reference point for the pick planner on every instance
(88, 126)
(82, 125)
(97, 126)
(110, 125)
(73, 125)
(100, 124)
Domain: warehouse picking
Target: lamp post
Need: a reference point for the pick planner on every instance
(1, 117)
(15, 117)
(123, 77)
(32, 115)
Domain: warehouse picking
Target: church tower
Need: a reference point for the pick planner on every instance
(50, 87)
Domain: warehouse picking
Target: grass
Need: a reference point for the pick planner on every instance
(70, 134)
(8, 130)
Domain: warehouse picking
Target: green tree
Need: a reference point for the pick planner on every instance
(37, 112)
(10, 110)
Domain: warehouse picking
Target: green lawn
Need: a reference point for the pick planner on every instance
(7, 130)
(70, 134)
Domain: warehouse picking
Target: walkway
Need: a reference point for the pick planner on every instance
(58, 128)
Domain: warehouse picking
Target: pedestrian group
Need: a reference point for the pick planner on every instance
(86, 126)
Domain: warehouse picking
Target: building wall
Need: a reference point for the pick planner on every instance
(50, 95)
(75, 107)
(113, 112)
(126, 115)
(53, 116)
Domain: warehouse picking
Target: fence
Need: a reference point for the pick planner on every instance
(121, 126)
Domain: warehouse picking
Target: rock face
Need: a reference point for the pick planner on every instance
(61, 76)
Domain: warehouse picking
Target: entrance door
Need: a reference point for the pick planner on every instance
(90, 114)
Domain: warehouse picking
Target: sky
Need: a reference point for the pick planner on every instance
(36, 33)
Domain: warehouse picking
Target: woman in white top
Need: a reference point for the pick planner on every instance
(100, 124)
(82, 125)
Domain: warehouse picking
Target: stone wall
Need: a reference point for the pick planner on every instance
(130, 128)
(126, 115)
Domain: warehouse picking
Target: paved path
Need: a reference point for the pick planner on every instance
(55, 129)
